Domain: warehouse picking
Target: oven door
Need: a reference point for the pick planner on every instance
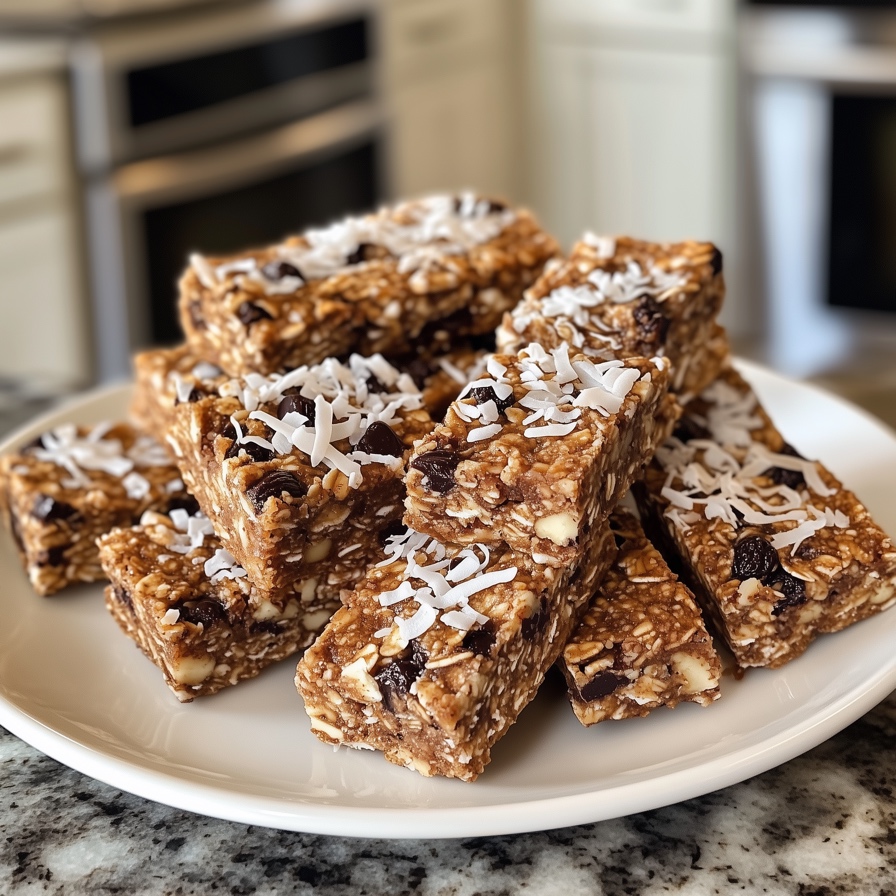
(147, 217)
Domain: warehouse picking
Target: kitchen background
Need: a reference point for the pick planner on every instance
(135, 131)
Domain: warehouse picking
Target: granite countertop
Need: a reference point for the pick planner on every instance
(820, 825)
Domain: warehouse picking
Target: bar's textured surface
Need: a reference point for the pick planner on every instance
(538, 449)
(440, 647)
(192, 609)
(776, 548)
(369, 284)
(642, 642)
(619, 297)
(76, 483)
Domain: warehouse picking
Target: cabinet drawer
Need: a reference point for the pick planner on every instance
(33, 154)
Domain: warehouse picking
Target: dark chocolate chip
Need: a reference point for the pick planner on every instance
(419, 370)
(257, 452)
(249, 313)
(380, 438)
(653, 325)
(376, 385)
(715, 262)
(205, 612)
(273, 484)
(754, 558)
(791, 478)
(480, 640)
(122, 596)
(536, 623)
(438, 469)
(268, 626)
(794, 591)
(277, 270)
(295, 402)
(482, 394)
(183, 502)
(54, 556)
(395, 680)
(48, 510)
(396, 527)
(687, 428)
(360, 254)
(602, 685)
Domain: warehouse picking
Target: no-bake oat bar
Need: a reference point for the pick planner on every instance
(618, 297)
(301, 474)
(642, 642)
(192, 609)
(774, 546)
(76, 483)
(369, 284)
(542, 446)
(439, 649)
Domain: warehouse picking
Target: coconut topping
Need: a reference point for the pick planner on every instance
(345, 405)
(725, 477)
(78, 455)
(440, 585)
(419, 234)
(557, 388)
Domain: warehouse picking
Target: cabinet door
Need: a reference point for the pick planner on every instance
(634, 141)
(43, 326)
(452, 134)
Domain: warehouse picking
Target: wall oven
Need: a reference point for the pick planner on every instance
(824, 117)
(213, 130)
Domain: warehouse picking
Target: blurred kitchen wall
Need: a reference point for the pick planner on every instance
(132, 133)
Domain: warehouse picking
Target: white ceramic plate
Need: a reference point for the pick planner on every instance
(75, 688)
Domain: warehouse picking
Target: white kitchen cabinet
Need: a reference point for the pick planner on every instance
(449, 79)
(633, 121)
(43, 318)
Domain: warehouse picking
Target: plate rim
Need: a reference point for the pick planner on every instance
(440, 822)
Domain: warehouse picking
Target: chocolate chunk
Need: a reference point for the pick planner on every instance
(295, 402)
(380, 438)
(184, 502)
(49, 510)
(687, 428)
(205, 612)
(715, 262)
(395, 680)
(54, 556)
(536, 623)
(653, 325)
(273, 484)
(419, 370)
(791, 478)
(482, 394)
(360, 254)
(257, 452)
(438, 469)
(268, 626)
(122, 596)
(249, 313)
(794, 591)
(277, 270)
(754, 558)
(396, 527)
(603, 684)
(376, 385)
(480, 640)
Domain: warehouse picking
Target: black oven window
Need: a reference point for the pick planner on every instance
(862, 250)
(257, 215)
(175, 88)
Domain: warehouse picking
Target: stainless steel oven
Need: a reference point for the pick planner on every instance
(212, 130)
(824, 116)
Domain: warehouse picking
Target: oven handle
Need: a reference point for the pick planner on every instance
(197, 173)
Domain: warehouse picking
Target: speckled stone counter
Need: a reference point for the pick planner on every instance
(822, 824)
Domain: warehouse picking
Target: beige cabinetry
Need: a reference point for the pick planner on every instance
(450, 87)
(43, 324)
